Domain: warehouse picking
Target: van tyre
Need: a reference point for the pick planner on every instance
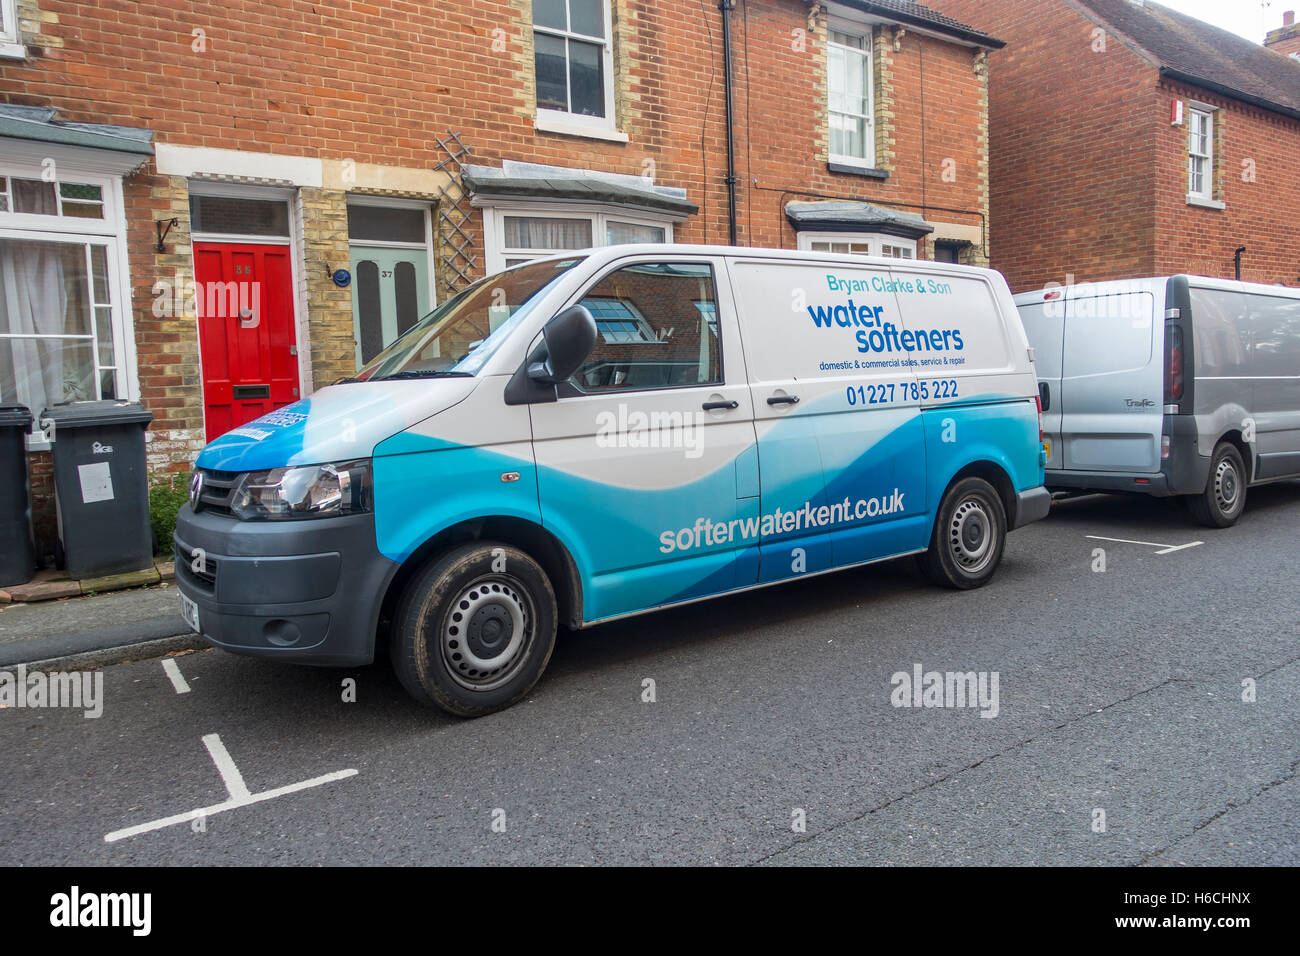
(970, 532)
(1224, 498)
(474, 629)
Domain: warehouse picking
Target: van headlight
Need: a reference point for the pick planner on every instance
(306, 491)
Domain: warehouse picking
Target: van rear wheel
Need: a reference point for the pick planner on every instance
(1224, 498)
(970, 532)
(474, 629)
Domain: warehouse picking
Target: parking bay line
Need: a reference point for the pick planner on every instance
(239, 792)
(174, 675)
(1165, 548)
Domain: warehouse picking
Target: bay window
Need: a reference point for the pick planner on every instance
(520, 233)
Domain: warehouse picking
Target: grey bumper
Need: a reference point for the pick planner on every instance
(1031, 505)
(309, 591)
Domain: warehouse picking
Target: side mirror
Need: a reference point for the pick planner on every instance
(567, 341)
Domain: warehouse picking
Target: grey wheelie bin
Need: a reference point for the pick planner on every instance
(101, 486)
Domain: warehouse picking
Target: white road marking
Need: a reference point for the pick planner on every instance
(239, 793)
(174, 675)
(230, 774)
(1164, 548)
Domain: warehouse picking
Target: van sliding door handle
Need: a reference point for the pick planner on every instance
(719, 406)
(783, 400)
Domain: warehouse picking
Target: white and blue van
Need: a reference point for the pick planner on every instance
(588, 437)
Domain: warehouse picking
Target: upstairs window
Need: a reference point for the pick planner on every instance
(574, 60)
(11, 44)
(848, 87)
(1200, 149)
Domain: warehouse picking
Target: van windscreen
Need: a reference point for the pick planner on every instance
(460, 335)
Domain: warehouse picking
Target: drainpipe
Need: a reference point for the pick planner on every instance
(726, 6)
(1236, 260)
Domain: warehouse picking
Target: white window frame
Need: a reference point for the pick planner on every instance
(494, 227)
(563, 121)
(875, 240)
(11, 41)
(1205, 195)
(109, 232)
(867, 53)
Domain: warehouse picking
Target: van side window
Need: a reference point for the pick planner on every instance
(1275, 335)
(657, 327)
(1222, 339)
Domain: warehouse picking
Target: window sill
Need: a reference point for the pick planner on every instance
(1206, 203)
(12, 51)
(551, 124)
(851, 170)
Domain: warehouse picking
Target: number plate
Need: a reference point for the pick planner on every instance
(190, 611)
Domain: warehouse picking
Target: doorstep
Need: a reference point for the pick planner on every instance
(52, 585)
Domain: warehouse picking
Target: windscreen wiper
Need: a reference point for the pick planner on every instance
(421, 373)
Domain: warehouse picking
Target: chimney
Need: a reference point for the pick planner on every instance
(1286, 38)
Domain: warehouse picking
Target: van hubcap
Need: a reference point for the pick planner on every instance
(487, 632)
(1227, 486)
(972, 535)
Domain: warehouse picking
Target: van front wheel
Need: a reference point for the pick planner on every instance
(1224, 498)
(474, 629)
(969, 535)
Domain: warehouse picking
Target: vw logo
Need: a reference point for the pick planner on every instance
(196, 490)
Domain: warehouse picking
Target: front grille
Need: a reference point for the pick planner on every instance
(196, 568)
(218, 489)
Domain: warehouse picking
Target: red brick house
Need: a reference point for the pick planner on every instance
(1131, 140)
(217, 207)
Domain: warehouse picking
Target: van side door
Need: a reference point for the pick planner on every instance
(647, 469)
(840, 441)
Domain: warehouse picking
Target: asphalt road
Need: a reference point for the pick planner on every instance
(1119, 691)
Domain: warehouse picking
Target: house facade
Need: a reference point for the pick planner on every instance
(1131, 140)
(217, 208)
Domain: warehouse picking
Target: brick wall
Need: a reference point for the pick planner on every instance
(1074, 114)
(1257, 177)
(1089, 177)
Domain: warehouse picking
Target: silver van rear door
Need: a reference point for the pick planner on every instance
(1044, 324)
(1111, 384)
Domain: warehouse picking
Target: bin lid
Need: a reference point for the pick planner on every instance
(15, 415)
(90, 414)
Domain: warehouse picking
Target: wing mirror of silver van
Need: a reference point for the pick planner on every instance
(567, 341)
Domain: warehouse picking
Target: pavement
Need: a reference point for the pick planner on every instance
(1148, 715)
(94, 631)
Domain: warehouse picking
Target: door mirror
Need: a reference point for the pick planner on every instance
(567, 341)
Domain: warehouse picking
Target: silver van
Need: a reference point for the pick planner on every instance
(1180, 385)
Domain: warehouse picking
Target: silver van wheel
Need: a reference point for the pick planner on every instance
(1224, 497)
(1227, 485)
(972, 535)
(486, 632)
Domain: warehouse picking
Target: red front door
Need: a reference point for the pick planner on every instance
(246, 332)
